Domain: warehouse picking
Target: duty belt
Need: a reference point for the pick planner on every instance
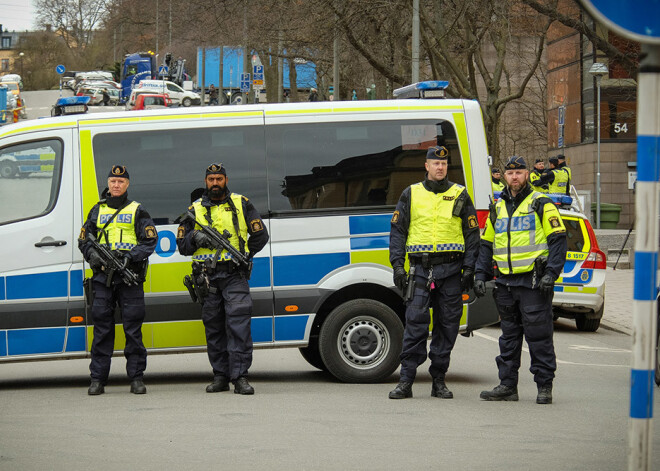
(220, 267)
(429, 259)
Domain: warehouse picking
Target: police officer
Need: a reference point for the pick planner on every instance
(496, 182)
(557, 179)
(526, 239)
(125, 227)
(227, 308)
(561, 164)
(435, 224)
(535, 176)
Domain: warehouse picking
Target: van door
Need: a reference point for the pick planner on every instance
(36, 228)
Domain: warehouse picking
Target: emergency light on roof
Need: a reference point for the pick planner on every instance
(428, 89)
(71, 105)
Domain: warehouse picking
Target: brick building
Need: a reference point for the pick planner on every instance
(572, 91)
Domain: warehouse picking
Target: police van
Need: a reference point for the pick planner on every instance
(325, 176)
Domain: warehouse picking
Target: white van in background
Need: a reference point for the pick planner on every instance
(176, 93)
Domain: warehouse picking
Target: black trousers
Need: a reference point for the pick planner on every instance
(227, 316)
(131, 304)
(447, 305)
(525, 312)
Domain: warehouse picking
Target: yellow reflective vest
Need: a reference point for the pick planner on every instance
(433, 227)
(520, 238)
(497, 186)
(560, 183)
(120, 231)
(222, 217)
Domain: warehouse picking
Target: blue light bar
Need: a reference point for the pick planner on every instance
(72, 100)
(428, 89)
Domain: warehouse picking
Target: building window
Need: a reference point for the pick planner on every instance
(6, 43)
(5, 65)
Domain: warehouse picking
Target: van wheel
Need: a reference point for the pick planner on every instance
(312, 355)
(7, 169)
(237, 99)
(360, 341)
(589, 325)
(186, 102)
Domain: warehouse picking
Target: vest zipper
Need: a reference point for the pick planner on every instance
(508, 245)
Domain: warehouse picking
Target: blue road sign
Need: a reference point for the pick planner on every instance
(562, 115)
(258, 69)
(162, 71)
(60, 69)
(640, 22)
(245, 83)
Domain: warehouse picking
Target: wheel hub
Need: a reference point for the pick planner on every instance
(363, 341)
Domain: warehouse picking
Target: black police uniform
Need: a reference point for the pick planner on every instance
(524, 309)
(130, 298)
(438, 284)
(227, 309)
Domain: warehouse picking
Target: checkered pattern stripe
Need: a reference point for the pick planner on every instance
(123, 246)
(209, 256)
(450, 248)
(419, 248)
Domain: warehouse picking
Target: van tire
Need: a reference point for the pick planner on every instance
(186, 102)
(374, 329)
(237, 98)
(312, 356)
(588, 325)
(8, 169)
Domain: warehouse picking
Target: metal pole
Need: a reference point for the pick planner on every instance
(598, 79)
(280, 67)
(645, 318)
(156, 27)
(335, 61)
(415, 42)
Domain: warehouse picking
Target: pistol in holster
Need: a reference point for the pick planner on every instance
(88, 290)
(410, 285)
(198, 283)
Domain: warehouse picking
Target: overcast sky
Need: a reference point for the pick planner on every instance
(17, 15)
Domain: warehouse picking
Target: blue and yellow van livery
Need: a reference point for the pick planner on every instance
(325, 176)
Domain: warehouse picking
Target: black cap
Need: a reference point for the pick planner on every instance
(215, 169)
(554, 160)
(118, 171)
(437, 153)
(495, 170)
(538, 161)
(515, 162)
(561, 157)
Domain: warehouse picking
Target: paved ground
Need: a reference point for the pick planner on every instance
(618, 300)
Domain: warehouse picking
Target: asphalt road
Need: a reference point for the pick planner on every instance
(300, 418)
(39, 103)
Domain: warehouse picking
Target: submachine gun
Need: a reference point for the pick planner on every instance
(198, 285)
(113, 264)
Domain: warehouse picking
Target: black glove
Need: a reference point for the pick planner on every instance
(202, 240)
(467, 279)
(94, 259)
(400, 277)
(547, 284)
(480, 288)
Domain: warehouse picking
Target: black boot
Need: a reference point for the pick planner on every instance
(241, 386)
(439, 389)
(96, 388)
(403, 390)
(545, 394)
(219, 384)
(138, 387)
(501, 393)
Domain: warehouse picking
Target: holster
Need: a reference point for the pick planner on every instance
(538, 271)
(88, 290)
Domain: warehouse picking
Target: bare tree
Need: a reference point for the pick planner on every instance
(73, 20)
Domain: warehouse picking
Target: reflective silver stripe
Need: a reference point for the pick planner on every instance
(523, 249)
(523, 263)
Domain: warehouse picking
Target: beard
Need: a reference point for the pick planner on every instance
(217, 192)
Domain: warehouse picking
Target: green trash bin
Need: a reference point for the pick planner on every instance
(609, 215)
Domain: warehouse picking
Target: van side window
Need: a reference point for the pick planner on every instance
(166, 166)
(30, 175)
(352, 164)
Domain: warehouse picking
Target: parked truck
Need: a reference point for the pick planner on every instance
(232, 68)
(143, 66)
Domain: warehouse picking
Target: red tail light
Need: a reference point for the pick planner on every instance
(596, 258)
(482, 217)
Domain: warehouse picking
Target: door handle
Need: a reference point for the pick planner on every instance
(52, 243)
